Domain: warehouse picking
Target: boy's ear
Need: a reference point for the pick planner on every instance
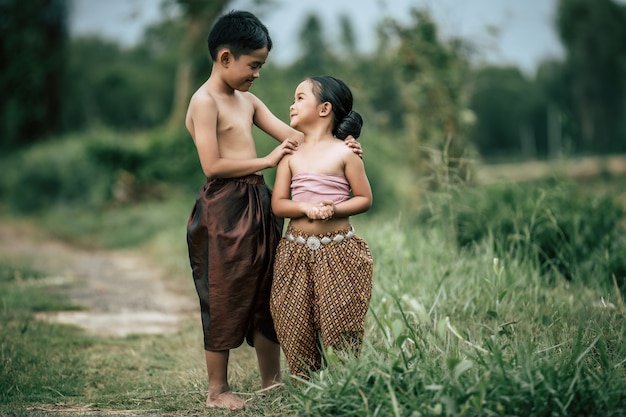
(224, 57)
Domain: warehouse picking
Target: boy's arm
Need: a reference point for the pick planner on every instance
(203, 128)
(272, 125)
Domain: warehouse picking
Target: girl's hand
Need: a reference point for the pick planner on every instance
(356, 146)
(323, 211)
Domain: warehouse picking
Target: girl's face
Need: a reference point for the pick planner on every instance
(305, 108)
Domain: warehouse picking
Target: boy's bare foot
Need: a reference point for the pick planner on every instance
(225, 400)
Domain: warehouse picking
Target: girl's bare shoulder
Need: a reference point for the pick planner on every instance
(339, 147)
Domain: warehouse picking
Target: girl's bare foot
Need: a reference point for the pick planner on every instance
(271, 388)
(225, 400)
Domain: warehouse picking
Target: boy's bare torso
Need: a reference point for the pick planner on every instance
(235, 115)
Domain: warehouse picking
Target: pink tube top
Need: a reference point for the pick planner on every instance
(316, 188)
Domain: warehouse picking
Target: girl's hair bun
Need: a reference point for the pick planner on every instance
(350, 125)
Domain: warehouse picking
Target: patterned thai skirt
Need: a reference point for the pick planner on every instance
(320, 295)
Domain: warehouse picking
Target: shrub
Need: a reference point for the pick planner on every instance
(171, 157)
(58, 172)
(96, 168)
(570, 234)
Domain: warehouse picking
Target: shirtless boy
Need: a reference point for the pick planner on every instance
(232, 233)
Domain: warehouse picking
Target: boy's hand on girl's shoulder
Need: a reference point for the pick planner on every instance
(287, 147)
(356, 146)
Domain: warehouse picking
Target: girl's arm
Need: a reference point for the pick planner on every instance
(282, 205)
(362, 198)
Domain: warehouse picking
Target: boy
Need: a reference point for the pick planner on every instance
(231, 233)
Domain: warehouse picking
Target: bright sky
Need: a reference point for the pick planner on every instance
(525, 27)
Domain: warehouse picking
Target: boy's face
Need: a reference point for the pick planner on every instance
(242, 72)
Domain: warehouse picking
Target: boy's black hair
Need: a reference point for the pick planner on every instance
(241, 32)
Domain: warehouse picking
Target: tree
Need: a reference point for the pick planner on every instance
(503, 101)
(198, 16)
(32, 52)
(594, 36)
(315, 57)
(434, 93)
(348, 39)
(123, 88)
(558, 116)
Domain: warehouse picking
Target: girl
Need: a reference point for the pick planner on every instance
(323, 271)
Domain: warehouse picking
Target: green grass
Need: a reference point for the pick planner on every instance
(451, 332)
(21, 285)
(457, 334)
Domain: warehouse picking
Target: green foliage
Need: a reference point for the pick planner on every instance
(570, 234)
(418, 375)
(23, 291)
(315, 57)
(57, 172)
(33, 53)
(25, 288)
(571, 106)
(415, 80)
(504, 101)
(172, 157)
(378, 93)
(121, 225)
(594, 36)
(35, 364)
(47, 368)
(451, 333)
(121, 88)
(150, 158)
(98, 168)
(434, 80)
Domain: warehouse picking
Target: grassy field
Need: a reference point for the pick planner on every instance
(454, 331)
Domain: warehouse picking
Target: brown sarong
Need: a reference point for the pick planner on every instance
(232, 236)
(320, 295)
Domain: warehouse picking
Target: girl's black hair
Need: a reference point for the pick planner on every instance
(241, 32)
(345, 120)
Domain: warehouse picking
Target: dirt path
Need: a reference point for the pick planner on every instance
(123, 292)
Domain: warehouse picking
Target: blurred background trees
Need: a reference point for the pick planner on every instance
(33, 57)
(429, 90)
(594, 36)
(87, 124)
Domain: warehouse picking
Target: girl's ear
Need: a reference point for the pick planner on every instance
(325, 108)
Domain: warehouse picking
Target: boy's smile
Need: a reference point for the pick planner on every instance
(247, 68)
